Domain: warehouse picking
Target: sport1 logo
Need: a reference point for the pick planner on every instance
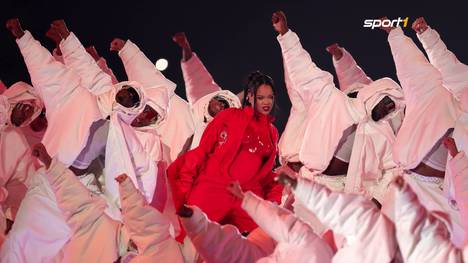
(376, 23)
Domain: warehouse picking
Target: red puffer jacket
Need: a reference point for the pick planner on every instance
(222, 141)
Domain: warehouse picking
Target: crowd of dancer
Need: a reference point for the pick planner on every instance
(370, 170)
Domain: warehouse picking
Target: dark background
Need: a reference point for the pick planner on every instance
(231, 38)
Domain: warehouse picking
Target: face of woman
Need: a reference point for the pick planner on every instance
(264, 99)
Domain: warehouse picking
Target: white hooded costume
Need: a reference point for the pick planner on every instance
(25, 93)
(65, 97)
(431, 111)
(96, 237)
(200, 88)
(455, 79)
(177, 126)
(134, 151)
(331, 115)
(16, 165)
(32, 237)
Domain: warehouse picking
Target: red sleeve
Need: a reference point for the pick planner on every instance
(183, 172)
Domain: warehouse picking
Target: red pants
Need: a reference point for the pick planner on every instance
(220, 206)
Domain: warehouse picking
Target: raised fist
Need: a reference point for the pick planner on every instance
(14, 26)
(419, 25)
(278, 19)
(61, 28)
(181, 39)
(335, 51)
(54, 35)
(40, 152)
(385, 28)
(117, 44)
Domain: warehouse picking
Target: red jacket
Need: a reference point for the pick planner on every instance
(221, 140)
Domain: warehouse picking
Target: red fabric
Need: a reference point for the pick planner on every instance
(202, 175)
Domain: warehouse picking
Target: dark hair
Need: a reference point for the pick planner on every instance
(255, 80)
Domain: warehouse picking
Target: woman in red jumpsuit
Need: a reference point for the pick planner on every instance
(238, 145)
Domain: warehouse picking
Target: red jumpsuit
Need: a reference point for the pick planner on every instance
(238, 145)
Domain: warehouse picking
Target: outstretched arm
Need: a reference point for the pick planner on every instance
(421, 236)
(306, 78)
(454, 73)
(140, 69)
(53, 81)
(198, 80)
(148, 228)
(82, 62)
(418, 78)
(347, 70)
(217, 243)
(94, 233)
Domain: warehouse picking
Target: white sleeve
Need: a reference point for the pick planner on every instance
(310, 82)
(147, 227)
(459, 170)
(454, 73)
(297, 105)
(354, 217)
(102, 63)
(421, 236)
(95, 235)
(349, 72)
(77, 58)
(418, 78)
(53, 80)
(140, 69)
(217, 243)
(279, 223)
(198, 80)
(285, 227)
(16, 165)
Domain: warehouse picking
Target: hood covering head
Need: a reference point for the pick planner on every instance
(354, 88)
(200, 108)
(371, 95)
(152, 97)
(371, 155)
(21, 92)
